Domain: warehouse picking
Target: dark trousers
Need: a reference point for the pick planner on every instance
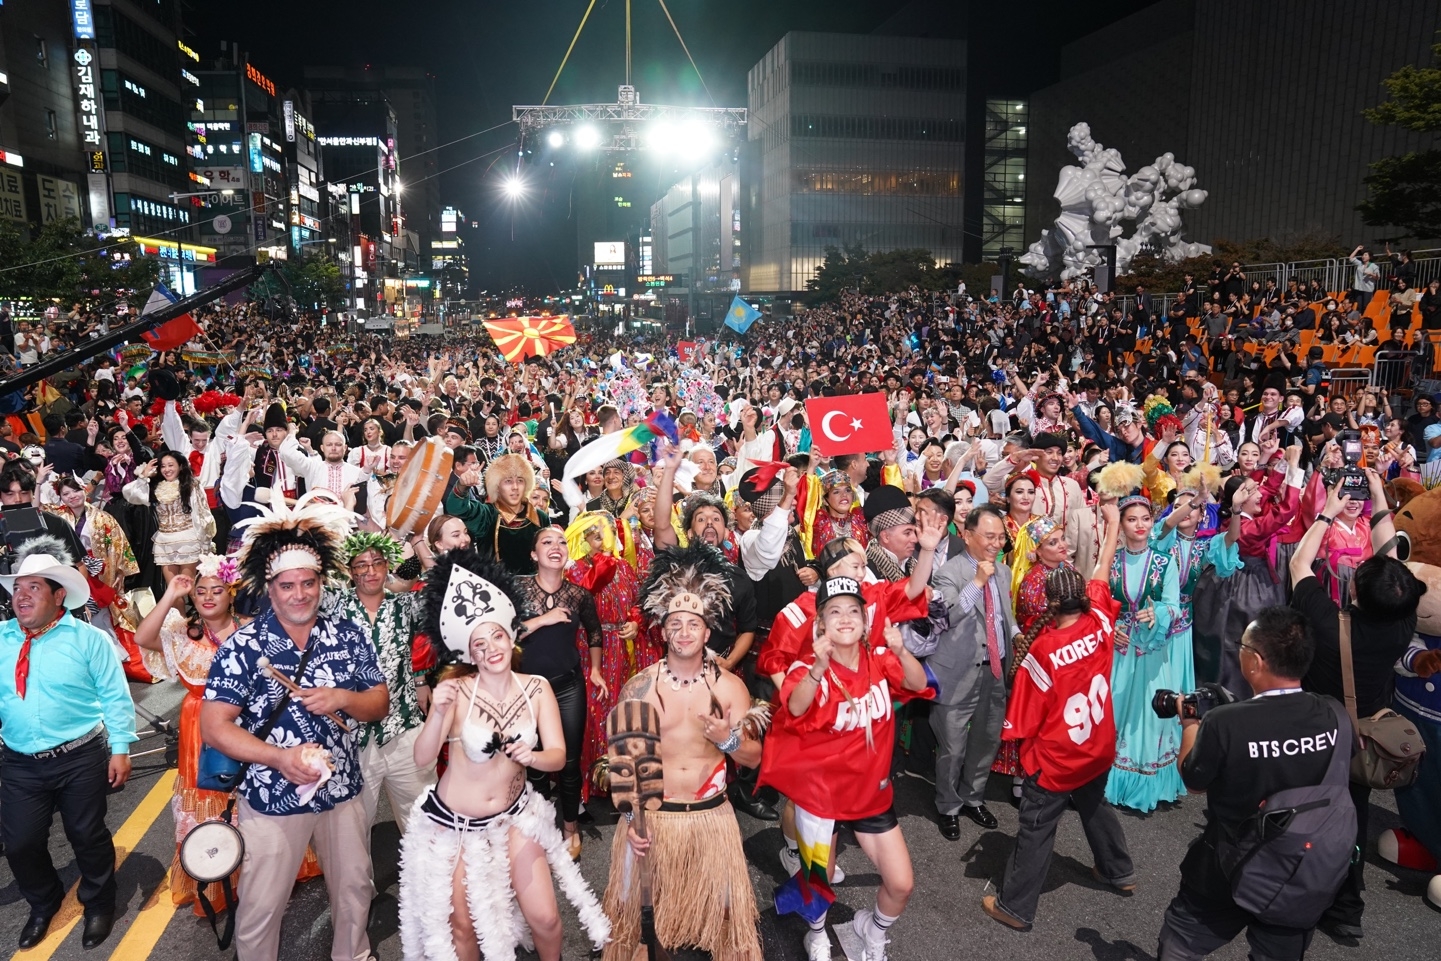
(570, 695)
(1347, 907)
(1041, 811)
(76, 785)
(1196, 925)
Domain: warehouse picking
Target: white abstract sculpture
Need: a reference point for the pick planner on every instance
(1098, 197)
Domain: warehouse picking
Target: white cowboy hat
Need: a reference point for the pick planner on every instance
(77, 588)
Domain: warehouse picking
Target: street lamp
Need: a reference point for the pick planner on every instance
(514, 187)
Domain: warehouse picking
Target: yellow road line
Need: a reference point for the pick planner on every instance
(126, 839)
(145, 931)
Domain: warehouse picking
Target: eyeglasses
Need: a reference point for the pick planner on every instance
(1248, 647)
(362, 567)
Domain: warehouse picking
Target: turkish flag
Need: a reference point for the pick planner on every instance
(851, 424)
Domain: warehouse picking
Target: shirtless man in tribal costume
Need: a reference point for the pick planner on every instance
(705, 899)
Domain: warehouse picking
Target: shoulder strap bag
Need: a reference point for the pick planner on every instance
(1390, 749)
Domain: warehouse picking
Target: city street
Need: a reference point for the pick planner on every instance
(1078, 918)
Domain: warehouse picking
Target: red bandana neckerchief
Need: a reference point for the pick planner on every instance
(22, 663)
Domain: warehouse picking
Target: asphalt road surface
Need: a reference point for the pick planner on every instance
(1078, 918)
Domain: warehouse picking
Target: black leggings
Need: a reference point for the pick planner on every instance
(570, 695)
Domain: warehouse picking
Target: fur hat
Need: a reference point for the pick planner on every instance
(687, 580)
(695, 502)
(275, 417)
(163, 384)
(509, 465)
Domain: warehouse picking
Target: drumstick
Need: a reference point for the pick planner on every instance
(264, 664)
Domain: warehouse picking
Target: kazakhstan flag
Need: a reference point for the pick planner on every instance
(741, 315)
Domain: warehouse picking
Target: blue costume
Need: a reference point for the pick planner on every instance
(1191, 556)
(1144, 773)
(1418, 699)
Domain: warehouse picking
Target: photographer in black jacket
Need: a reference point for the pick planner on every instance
(1237, 755)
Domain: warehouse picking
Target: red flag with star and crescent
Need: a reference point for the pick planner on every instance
(851, 424)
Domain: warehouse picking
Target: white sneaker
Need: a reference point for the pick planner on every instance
(791, 861)
(817, 945)
(871, 939)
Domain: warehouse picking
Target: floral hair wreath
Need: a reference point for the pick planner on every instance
(383, 544)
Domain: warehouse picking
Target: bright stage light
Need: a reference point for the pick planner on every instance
(697, 140)
(662, 137)
(587, 138)
(555, 139)
(514, 187)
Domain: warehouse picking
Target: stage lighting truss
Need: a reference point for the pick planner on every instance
(686, 133)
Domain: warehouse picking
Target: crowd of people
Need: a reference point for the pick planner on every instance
(651, 582)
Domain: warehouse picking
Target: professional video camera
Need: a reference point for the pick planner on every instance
(17, 525)
(1352, 478)
(1193, 706)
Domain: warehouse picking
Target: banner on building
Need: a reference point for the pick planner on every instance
(59, 199)
(12, 196)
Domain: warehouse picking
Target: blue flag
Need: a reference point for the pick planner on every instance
(741, 315)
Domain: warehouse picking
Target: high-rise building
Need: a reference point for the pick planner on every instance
(1003, 178)
(697, 241)
(853, 140)
(146, 98)
(44, 159)
(409, 96)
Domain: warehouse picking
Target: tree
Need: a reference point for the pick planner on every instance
(1405, 191)
(313, 281)
(65, 263)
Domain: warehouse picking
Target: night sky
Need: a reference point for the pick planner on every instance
(487, 56)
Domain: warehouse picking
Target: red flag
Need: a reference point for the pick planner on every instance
(851, 424)
(172, 334)
(685, 349)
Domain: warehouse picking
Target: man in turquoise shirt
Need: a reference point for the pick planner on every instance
(68, 722)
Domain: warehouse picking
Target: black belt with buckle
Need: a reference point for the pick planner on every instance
(67, 747)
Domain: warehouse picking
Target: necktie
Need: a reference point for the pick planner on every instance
(993, 640)
(22, 662)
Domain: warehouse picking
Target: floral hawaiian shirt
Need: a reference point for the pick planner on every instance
(343, 658)
(391, 635)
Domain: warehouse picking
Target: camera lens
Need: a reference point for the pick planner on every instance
(1163, 703)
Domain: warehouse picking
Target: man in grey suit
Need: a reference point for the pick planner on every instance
(970, 664)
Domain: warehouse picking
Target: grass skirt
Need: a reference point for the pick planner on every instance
(428, 855)
(700, 886)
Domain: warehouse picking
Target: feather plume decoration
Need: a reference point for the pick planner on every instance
(1120, 478)
(432, 594)
(213, 400)
(311, 524)
(1202, 477)
(756, 720)
(697, 569)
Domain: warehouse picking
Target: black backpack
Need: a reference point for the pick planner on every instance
(1287, 861)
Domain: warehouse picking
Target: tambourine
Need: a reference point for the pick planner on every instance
(420, 488)
(212, 851)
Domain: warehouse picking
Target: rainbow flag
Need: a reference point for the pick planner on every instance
(608, 447)
(808, 891)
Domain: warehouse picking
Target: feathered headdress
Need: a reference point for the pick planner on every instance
(687, 580)
(464, 589)
(281, 538)
(1160, 415)
(1120, 478)
(383, 544)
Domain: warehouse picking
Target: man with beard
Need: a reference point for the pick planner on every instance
(288, 556)
(705, 520)
(703, 893)
(329, 471)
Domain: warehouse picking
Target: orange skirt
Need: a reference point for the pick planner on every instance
(191, 805)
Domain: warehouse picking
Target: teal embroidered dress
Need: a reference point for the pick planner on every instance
(1144, 773)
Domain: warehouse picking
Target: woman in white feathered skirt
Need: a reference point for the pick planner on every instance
(481, 847)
